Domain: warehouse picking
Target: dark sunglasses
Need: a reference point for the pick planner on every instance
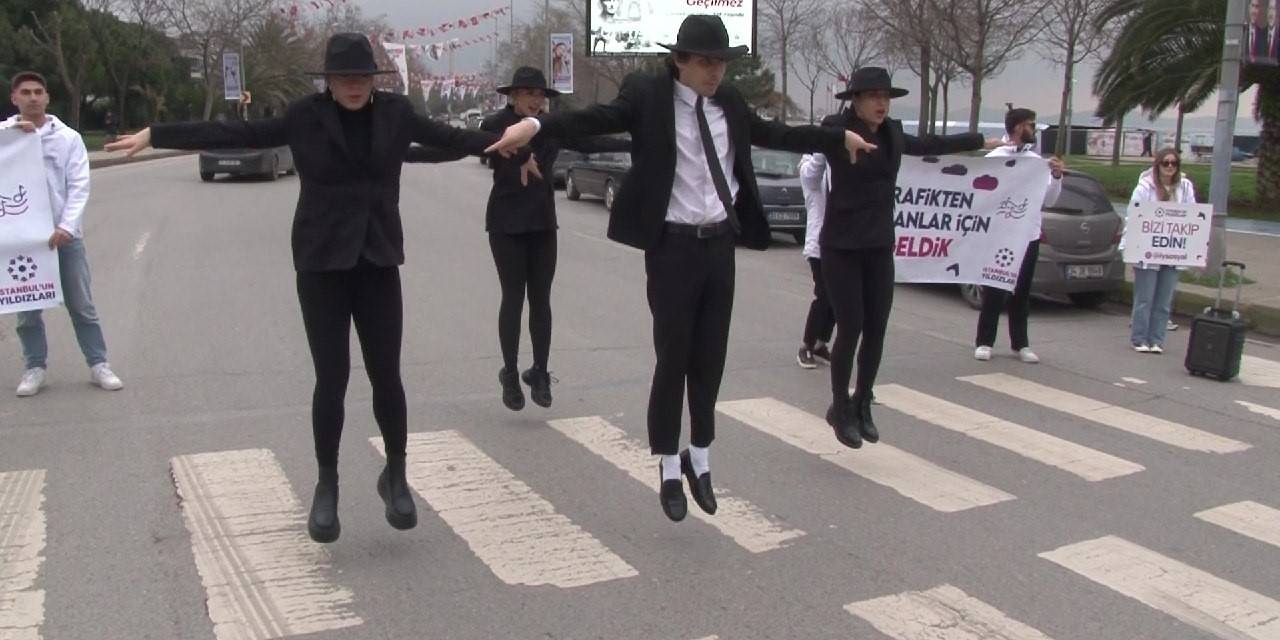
(1169, 163)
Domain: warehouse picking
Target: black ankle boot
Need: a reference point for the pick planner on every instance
(512, 394)
(402, 513)
(842, 418)
(323, 525)
(867, 426)
(539, 382)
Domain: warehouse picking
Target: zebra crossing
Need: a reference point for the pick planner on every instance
(264, 579)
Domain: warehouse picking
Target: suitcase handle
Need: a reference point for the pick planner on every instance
(1222, 279)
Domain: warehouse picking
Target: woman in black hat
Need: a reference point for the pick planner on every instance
(521, 221)
(348, 144)
(857, 242)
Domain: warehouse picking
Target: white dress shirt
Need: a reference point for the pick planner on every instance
(815, 182)
(693, 193)
(66, 170)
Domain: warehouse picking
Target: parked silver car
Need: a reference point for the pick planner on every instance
(1079, 246)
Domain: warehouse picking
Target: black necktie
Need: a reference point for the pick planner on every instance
(713, 163)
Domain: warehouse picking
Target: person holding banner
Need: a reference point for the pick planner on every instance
(857, 243)
(690, 194)
(349, 143)
(66, 172)
(1154, 285)
(1020, 133)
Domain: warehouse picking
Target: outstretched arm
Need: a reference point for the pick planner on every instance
(430, 133)
(253, 134)
(931, 145)
(615, 117)
(432, 155)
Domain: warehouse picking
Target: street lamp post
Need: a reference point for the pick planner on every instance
(1224, 132)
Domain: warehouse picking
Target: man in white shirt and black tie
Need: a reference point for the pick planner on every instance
(690, 193)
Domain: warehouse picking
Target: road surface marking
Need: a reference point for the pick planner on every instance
(22, 541)
(1248, 518)
(941, 613)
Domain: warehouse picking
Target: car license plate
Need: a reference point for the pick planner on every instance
(1084, 271)
(785, 216)
(228, 163)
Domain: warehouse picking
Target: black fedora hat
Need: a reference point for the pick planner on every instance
(528, 78)
(705, 35)
(871, 79)
(349, 54)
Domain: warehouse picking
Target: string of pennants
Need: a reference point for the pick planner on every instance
(295, 9)
(455, 87)
(436, 50)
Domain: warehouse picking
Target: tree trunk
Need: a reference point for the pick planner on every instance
(946, 104)
(812, 91)
(933, 105)
(1119, 142)
(975, 103)
(1269, 145)
(1177, 134)
(782, 106)
(925, 55)
(1060, 147)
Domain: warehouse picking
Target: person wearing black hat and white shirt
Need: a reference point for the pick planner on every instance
(857, 243)
(685, 213)
(521, 221)
(1020, 139)
(348, 143)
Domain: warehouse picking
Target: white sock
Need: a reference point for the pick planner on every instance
(698, 457)
(670, 467)
(818, 345)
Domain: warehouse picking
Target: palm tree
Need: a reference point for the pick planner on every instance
(275, 65)
(1167, 55)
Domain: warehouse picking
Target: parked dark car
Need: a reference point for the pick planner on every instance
(1079, 246)
(564, 159)
(268, 163)
(778, 175)
(599, 175)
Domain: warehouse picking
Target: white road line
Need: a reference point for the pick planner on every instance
(1248, 518)
(1260, 409)
(512, 529)
(141, 246)
(1133, 380)
(22, 541)
(907, 474)
(263, 575)
(742, 521)
(1158, 429)
(941, 613)
(1090, 464)
(1200, 599)
(1259, 372)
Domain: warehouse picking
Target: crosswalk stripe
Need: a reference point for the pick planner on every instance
(1260, 409)
(941, 613)
(1249, 518)
(22, 540)
(735, 517)
(513, 530)
(911, 476)
(1090, 464)
(1141, 424)
(1259, 372)
(1195, 597)
(263, 575)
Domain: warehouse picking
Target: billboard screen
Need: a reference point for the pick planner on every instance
(1262, 37)
(637, 27)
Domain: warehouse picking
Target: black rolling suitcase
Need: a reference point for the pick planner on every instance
(1216, 342)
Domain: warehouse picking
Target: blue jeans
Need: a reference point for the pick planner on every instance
(74, 267)
(1152, 301)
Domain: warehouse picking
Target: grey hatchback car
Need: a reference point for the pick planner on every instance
(1079, 246)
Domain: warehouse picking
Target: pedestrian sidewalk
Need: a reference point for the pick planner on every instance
(100, 159)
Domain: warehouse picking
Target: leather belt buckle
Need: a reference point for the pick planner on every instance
(707, 231)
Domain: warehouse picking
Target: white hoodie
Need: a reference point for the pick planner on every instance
(66, 170)
(1185, 193)
(815, 181)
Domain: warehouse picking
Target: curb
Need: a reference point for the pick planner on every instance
(111, 162)
(1259, 318)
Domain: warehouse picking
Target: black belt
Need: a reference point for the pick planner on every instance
(701, 231)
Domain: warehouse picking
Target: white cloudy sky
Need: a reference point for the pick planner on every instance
(1030, 81)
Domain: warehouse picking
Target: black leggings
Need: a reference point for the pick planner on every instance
(526, 263)
(330, 300)
(860, 287)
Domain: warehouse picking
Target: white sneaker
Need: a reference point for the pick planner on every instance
(1171, 326)
(1155, 348)
(1028, 356)
(102, 376)
(982, 353)
(32, 380)
(1141, 348)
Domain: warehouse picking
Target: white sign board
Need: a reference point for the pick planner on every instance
(29, 277)
(561, 47)
(1167, 233)
(231, 81)
(639, 27)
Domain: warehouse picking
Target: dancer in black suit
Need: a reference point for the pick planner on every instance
(348, 144)
(690, 192)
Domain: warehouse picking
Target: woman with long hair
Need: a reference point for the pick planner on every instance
(1154, 285)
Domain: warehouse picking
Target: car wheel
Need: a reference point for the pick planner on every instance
(609, 195)
(570, 188)
(972, 295)
(206, 176)
(799, 236)
(1088, 299)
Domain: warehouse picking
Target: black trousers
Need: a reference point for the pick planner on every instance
(821, 320)
(860, 286)
(1019, 305)
(690, 287)
(526, 265)
(330, 301)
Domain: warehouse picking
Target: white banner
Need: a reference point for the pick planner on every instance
(1167, 233)
(967, 220)
(231, 84)
(28, 267)
(426, 88)
(562, 62)
(631, 27)
(395, 51)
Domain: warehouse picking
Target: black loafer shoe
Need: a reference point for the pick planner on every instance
(671, 494)
(842, 421)
(512, 394)
(539, 381)
(699, 485)
(323, 525)
(866, 426)
(393, 488)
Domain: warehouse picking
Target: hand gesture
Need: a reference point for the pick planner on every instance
(993, 143)
(854, 143)
(59, 238)
(27, 126)
(131, 144)
(516, 136)
(1056, 167)
(530, 167)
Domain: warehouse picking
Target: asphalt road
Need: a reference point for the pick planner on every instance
(1079, 498)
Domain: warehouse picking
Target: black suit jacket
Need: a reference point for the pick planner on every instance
(345, 209)
(645, 107)
(863, 196)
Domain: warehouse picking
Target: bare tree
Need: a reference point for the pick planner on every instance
(208, 28)
(63, 36)
(945, 72)
(1071, 37)
(981, 36)
(782, 23)
(910, 36)
(121, 45)
(808, 63)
